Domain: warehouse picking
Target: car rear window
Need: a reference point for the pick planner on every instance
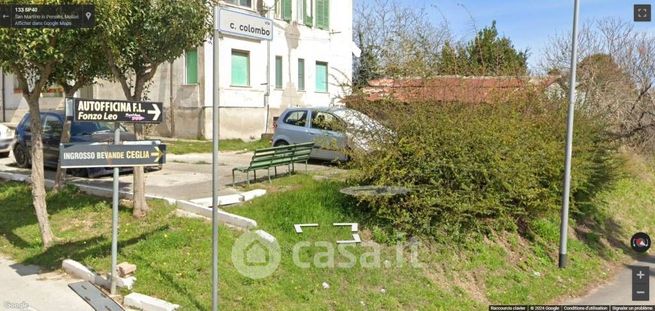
(297, 118)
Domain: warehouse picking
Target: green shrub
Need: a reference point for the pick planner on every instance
(477, 168)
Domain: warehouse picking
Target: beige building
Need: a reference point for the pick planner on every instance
(310, 59)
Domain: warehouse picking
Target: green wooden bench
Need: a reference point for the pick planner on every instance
(267, 158)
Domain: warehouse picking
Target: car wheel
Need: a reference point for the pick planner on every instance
(22, 156)
(281, 143)
(4, 154)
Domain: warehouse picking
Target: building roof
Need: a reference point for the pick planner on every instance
(451, 88)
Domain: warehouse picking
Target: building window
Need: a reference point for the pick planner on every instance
(240, 68)
(309, 12)
(278, 72)
(191, 61)
(321, 77)
(278, 9)
(243, 3)
(301, 74)
(283, 10)
(300, 11)
(286, 10)
(323, 14)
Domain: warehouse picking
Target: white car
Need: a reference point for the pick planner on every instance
(6, 140)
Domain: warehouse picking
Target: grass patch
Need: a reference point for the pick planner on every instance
(505, 268)
(204, 146)
(174, 262)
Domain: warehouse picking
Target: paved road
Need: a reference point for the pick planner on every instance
(619, 290)
(24, 288)
(184, 177)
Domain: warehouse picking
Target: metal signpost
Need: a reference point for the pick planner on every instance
(47, 16)
(569, 141)
(128, 154)
(239, 24)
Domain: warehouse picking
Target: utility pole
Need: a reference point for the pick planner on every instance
(569, 141)
(215, 137)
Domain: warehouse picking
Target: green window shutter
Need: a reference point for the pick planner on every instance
(240, 68)
(286, 10)
(326, 14)
(278, 72)
(301, 74)
(321, 77)
(319, 14)
(323, 14)
(191, 66)
(309, 20)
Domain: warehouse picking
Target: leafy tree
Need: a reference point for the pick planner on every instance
(452, 60)
(485, 55)
(33, 55)
(367, 67)
(140, 35)
(76, 71)
(491, 55)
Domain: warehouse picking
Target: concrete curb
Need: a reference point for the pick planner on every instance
(195, 208)
(231, 198)
(223, 217)
(80, 271)
(147, 303)
(266, 236)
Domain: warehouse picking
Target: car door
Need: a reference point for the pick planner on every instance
(327, 132)
(26, 131)
(293, 127)
(52, 128)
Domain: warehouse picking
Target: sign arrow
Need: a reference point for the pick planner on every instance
(157, 153)
(156, 112)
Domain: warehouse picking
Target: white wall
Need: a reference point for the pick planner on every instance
(16, 105)
(291, 41)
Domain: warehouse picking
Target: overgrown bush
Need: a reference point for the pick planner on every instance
(477, 168)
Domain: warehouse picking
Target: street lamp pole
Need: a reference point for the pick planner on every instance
(215, 137)
(569, 140)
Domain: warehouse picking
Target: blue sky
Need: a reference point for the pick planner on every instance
(529, 23)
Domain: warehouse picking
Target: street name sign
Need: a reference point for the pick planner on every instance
(129, 154)
(244, 25)
(47, 16)
(94, 110)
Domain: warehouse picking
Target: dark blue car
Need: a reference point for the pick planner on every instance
(81, 132)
